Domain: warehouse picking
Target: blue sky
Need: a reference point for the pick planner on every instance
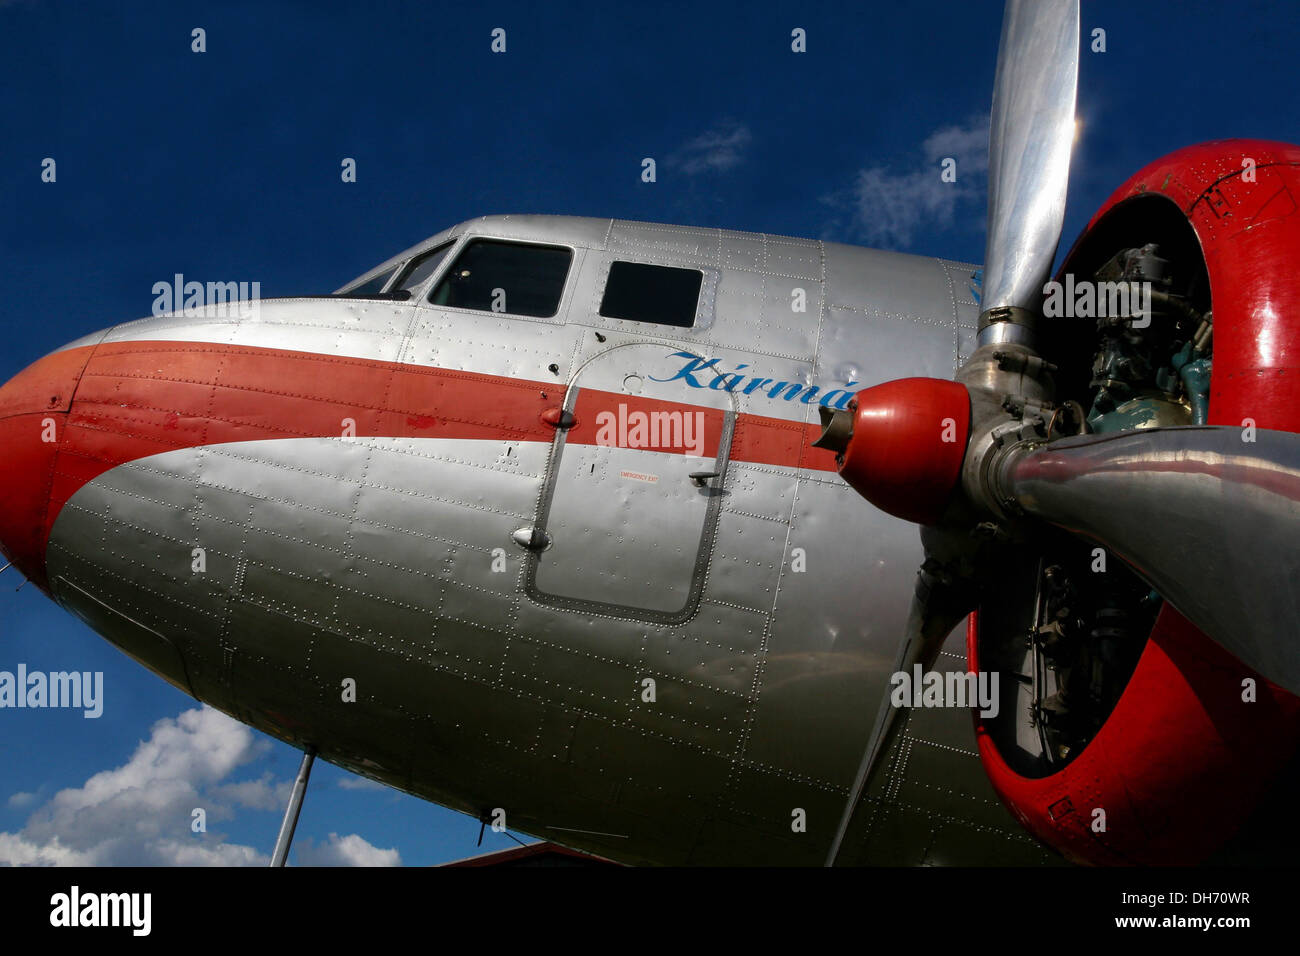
(225, 166)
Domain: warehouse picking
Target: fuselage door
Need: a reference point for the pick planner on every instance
(626, 519)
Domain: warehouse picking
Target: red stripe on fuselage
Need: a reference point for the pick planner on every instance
(137, 399)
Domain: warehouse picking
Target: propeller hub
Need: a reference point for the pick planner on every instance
(901, 444)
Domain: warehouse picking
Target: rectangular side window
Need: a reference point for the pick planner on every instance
(644, 293)
(510, 277)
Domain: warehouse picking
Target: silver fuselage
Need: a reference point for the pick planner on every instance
(680, 671)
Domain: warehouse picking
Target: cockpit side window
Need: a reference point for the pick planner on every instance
(371, 287)
(419, 269)
(517, 278)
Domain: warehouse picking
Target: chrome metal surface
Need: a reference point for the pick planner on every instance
(291, 812)
(1155, 496)
(1006, 333)
(1030, 138)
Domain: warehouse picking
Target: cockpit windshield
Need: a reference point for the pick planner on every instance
(411, 277)
(369, 288)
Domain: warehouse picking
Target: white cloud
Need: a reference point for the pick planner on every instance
(350, 850)
(353, 782)
(15, 850)
(21, 801)
(888, 208)
(715, 150)
(139, 814)
(261, 794)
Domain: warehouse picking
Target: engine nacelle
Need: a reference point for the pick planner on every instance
(1186, 750)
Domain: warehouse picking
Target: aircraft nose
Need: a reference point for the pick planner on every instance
(34, 407)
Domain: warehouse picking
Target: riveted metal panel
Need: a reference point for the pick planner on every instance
(359, 328)
(683, 245)
(825, 624)
(769, 315)
(511, 346)
(889, 283)
(931, 345)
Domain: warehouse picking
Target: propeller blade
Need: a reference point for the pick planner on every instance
(1207, 518)
(937, 607)
(1030, 137)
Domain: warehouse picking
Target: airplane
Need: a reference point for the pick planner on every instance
(559, 520)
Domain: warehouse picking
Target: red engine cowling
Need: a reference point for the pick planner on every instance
(1182, 760)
